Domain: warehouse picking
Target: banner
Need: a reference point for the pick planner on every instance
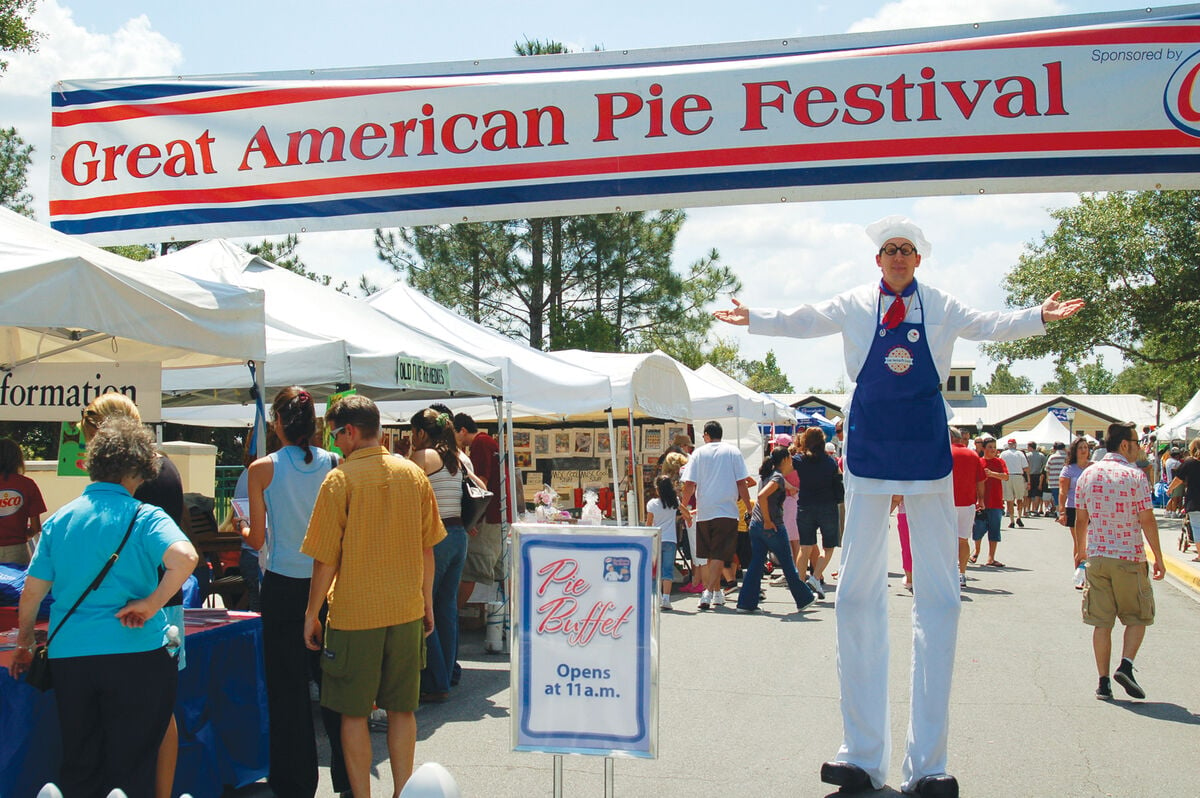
(585, 606)
(1090, 102)
(61, 391)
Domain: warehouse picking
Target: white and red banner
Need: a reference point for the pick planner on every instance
(1091, 102)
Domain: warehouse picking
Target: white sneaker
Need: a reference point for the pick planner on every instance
(706, 598)
(962, 580)
(718, 598)
(666, 602)
(812, 582)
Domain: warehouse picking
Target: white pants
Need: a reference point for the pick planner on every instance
(862, 634)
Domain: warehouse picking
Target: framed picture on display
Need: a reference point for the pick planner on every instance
(521, 439)
(523, 459)
(673, 432)
(623, 440)
(562, 442)
(584, 442)
(652, 440)
(541, 444)
(603, 442)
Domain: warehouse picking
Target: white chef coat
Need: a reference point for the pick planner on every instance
(856, 313)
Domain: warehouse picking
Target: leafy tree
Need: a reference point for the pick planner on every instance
(765, 375)
(1173, 386)
(15, 34)
(1133, 257)
(1004, 381)
(1094, 378)
(15, 158)
(1065, 381)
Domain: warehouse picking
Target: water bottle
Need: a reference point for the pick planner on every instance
(173, 641)
(1080, 576)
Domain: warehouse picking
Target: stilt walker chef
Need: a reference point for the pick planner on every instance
(898, 337)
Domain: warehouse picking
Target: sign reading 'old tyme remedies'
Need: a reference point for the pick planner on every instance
(584, 675)
(60, 391)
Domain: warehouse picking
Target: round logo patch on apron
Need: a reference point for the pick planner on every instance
(898, 359)
(914, 335)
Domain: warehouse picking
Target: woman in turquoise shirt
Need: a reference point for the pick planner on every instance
(114, 678)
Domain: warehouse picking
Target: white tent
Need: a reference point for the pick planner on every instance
(772, 409)
(1184, 424)
(1047, 432)
(647, 384)
(753, 405)
(536, 383)
(325, 338)
(67, 301)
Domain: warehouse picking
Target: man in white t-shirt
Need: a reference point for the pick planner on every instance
(1018, 482)
(716, 474)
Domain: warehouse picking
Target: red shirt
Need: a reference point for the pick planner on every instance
(485, 458)
(19, 499)
(968, 473)
(993, 495)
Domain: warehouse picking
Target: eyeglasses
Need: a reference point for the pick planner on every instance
(892, 249)
(338, 431)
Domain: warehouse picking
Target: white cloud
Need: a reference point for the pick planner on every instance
(930, 13)
(68, 50)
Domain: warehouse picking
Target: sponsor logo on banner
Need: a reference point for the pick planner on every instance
(898, 359)
(1182, 96)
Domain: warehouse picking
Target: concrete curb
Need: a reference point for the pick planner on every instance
(1189, 576)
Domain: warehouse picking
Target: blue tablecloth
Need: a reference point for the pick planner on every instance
(221, 710)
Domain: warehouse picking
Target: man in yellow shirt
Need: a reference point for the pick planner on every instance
(371, 537)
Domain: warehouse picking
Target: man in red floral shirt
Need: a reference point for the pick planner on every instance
(1113, 512)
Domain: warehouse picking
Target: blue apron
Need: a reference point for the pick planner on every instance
(897, 416)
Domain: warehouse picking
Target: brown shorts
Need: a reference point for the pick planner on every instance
(717, 539)
(1117, 589)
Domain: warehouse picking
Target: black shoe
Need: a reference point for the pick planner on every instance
(1022, 527)
(851, 778)
(941, 786)
(1104, 690)
(1011, 525)
(1124, 677)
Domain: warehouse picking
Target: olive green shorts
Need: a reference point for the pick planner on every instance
(1117, 589)
(367, 668)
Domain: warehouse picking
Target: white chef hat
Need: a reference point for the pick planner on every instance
(898, 227)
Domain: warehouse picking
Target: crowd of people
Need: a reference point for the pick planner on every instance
(360, 558)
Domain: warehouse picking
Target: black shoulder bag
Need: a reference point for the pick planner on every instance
(38, 675)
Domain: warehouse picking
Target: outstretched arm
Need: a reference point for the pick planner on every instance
(740, 315)
(1054, 309)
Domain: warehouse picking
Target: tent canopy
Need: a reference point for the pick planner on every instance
(1177, 426)
(769, 411)
(1047, 432)
(325, 338)
(536, 383)
(67, 301)
(649, 383)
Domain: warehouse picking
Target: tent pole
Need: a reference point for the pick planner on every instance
(258, 370)
(505, 448)
(612, 453)
(512, 459)
(633, 476)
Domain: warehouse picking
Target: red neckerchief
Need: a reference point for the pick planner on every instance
(896, 313)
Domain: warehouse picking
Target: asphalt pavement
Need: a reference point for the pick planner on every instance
(748, 704)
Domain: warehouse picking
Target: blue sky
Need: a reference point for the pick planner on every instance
(810, 251)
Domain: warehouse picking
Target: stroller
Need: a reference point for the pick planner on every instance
(1186, 536)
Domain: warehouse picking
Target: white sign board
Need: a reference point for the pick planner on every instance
(61, 391)
(585, 663)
